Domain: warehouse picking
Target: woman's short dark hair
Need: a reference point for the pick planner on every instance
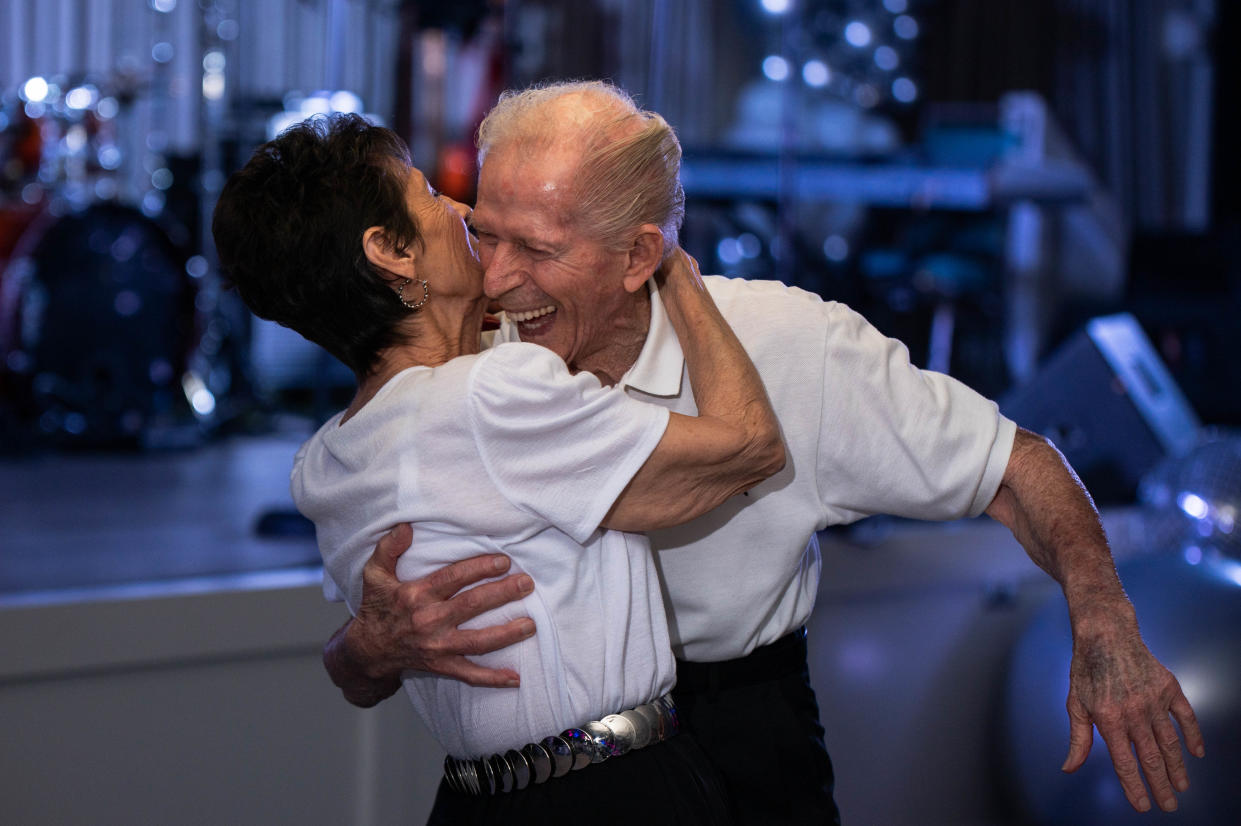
(288, 229)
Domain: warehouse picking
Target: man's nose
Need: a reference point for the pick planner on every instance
(503, 270)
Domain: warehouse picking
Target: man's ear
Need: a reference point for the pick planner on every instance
(645, 255)
(384, 256)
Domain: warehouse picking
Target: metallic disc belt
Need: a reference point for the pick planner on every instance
(571, 750)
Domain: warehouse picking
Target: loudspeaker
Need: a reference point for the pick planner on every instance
(1108, 402)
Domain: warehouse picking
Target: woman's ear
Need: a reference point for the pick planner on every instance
(645, 255)
(383, 256)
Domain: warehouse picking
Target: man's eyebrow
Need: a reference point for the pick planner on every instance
(520, 239)
(529, 242)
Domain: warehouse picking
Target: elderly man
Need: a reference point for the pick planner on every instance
(866, 433)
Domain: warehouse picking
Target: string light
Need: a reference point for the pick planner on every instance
(34, 90)
(851, 50)
(776, 68)
(857, 33)
(816, 73)
(904, 90)
(886, 58)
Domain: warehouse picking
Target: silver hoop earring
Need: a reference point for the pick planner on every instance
(426, 293)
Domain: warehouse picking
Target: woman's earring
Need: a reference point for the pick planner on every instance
(426, 293)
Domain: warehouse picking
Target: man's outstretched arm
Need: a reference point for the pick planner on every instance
(1115, 683)
(414, 625)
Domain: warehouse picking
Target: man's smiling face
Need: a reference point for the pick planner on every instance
(563, 289)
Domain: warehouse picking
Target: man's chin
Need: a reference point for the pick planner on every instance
(545, 342)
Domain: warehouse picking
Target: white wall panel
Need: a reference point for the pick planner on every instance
(206, 708)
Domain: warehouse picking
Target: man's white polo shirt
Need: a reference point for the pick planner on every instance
(866, 431)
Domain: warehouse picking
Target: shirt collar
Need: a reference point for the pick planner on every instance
(657, 372)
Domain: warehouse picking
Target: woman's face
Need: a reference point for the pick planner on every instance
(448, 257)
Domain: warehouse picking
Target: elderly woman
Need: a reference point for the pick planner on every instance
(331, 231)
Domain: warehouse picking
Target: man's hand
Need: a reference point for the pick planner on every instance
(414, 625)
(1117, 685)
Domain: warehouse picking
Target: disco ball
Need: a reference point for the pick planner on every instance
(1192, 503)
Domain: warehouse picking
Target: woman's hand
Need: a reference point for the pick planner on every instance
(678, 271)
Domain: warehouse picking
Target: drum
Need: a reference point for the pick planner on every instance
(97, 324)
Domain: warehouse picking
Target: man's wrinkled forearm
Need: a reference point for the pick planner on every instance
(1116, 686)
(1050, 513)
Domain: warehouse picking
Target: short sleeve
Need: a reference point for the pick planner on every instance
(899, 440)
(557, 445)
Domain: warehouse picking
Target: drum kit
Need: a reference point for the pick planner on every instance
(102, 316)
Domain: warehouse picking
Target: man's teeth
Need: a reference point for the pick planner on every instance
(529, 315)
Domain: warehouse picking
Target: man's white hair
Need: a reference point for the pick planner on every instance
(629, 160)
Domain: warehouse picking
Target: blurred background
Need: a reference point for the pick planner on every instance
(1037, 196)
